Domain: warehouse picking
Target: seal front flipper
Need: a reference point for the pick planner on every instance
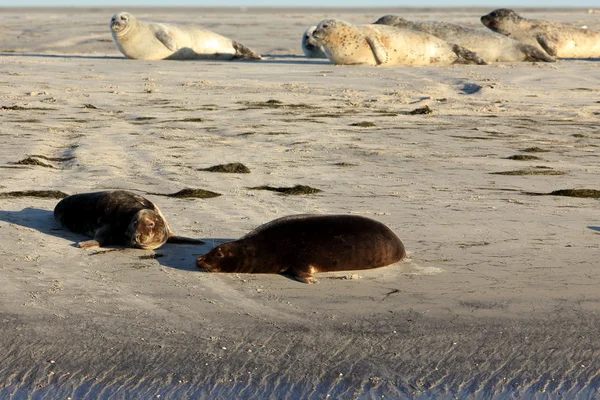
(183, 240)
(547, 44)
(166, 39)
(242, 51)
(535, 54)
(466, 56)
(302, 273)
(379, 51)
(101, 238)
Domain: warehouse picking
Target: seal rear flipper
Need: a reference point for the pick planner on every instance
(242, 51)
(166, 39)
(466, 56)
(535, 54)
(547, 44)
(88, 244)
(302, 274)
(379, 51)
(182, 239)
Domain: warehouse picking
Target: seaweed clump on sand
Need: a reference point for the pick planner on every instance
(231, 168)
(581, 193)
(538, 171)
(420, 111)
(363, 124)
(523, 157)
(194, 193)
(45, 194)
(292, 191)
(33, 161)
(534, 149)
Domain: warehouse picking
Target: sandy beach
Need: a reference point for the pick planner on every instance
(498, 297)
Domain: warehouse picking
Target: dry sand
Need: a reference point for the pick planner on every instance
(498, 298)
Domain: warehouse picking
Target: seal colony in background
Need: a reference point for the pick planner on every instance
(302, 245)
(116, 218)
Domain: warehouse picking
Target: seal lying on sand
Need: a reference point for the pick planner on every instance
(492, 47)
(116, 218)
(152, 41)
(556, 39)
(385, 45)
(310, 46)
(301, 245)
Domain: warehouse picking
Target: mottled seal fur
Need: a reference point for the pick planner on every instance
(371, 44)
(310, 46)
(116, 218)
(556, 39)
(301, 245)
(153, 41)
(491, 46)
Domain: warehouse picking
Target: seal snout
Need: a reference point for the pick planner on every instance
(202, 264)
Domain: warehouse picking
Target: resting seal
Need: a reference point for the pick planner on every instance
(116, 218)
(385, 45)
(556, 39)
(492, 47)
(310, 46)
(152, 41)
(301, 245)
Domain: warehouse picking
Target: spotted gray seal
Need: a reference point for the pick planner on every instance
(349, 44)
(153, 41)
(491, 46)
(310, 47)
(301, 245)
(556, 39)
(116, 218)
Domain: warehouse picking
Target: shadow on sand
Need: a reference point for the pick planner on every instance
(178, 256)
(267, 58)
(594, 228)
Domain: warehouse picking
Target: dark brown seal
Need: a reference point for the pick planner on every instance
(116, 218)
(301, 245)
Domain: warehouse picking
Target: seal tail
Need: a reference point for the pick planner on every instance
(466, 56)
(535, 54)
(244, 52)
(183, 240)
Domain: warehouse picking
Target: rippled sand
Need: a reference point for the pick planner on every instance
(499, 295)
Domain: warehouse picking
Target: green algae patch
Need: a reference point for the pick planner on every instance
(231, 168)
(291, 191)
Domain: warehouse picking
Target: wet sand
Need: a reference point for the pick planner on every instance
(499, 294)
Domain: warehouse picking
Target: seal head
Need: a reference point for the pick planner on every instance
(120, 22)
(310, 45)
(147, 230)
(499, 18)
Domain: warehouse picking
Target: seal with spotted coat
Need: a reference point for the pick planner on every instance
(153, 41)
(116, 218)
(491, 46)
(556, 39)
(301, 245)
(348, 44)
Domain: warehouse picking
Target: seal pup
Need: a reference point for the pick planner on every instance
(152, 41)
(301, 245)
(116, 218)
(310, 47)
(491, 46)
(348, 44)
(556, 39)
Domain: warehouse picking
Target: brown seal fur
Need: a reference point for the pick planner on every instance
(116, 218)
(556, 39)
(301, 245)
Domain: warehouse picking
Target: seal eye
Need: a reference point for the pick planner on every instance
(324, 26)
(150, 225)
(219, 254)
